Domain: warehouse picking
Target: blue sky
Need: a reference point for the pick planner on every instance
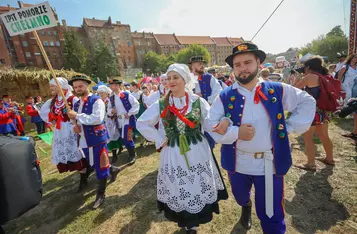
(294, 24)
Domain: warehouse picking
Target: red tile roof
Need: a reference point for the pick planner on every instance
(4, 9)
(95, 22)
(166, 39)
(222, 41)
(188, 40)
(235, 40)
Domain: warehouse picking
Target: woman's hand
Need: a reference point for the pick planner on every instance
(221, 127)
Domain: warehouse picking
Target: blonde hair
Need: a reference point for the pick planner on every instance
(265, 72)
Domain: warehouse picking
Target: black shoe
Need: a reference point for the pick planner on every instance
(114, 171)
(2, 231)
(191, 231)
(121, 150)
(132, 155)
(246, 217)
(83, 182)
(115, 156)
(102, 185)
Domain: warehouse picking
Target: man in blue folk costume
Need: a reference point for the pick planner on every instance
(207, 87)
(89, 114)
(123, 107)
(248, 120)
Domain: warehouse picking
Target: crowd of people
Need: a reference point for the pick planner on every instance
(184, 115)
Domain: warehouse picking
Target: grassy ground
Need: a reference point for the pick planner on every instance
(321, 202)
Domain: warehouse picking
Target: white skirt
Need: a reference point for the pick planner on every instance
(65, 145)
(188, 189)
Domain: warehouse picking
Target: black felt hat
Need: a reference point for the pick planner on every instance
(245, 48)
(115, 81)
(194, 59)
(79, 77)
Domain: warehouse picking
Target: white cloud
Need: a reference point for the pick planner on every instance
(294, 24)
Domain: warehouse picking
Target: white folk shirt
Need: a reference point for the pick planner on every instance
(97, 117)
(155, 96)
(300, 103)
(136, 94)
(215, 86)
(121, 111)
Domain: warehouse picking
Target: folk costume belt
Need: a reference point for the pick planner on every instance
(269, 173)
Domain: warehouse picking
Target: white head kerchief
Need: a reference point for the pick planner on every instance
(104, 89)
(63, 82)
(163, 77)
(185, 73)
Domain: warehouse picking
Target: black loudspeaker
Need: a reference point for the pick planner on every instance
(20, 177)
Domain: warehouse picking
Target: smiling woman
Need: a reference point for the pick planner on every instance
(189, 183)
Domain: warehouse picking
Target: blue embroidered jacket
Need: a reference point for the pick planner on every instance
(205, 85)
(233, 103)
(94, 134)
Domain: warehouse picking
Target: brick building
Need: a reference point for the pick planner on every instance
(167, 43)
(223, 49)
(22, 50)
(117, 37)
(143, 43)
(206, 41)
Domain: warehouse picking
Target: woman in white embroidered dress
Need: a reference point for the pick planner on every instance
(189, 183)
(66, 154)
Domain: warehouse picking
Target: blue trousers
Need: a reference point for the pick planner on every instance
(100, 158)
(210, 140)
(241, 186)
(128, 139)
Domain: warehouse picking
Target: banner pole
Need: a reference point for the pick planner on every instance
(44, 54)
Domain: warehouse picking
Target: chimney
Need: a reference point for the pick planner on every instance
(110, 20)
(64, 23)
(118, 22)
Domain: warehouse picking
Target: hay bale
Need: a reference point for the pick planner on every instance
(35, 82)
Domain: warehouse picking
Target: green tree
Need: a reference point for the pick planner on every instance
(184, 55)
(154, 62)
(336, 31)
(334, 42)
(75, 54)
(102, 63)
(167, 61)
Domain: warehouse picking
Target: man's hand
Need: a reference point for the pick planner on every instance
(114, 111)
(77, 129)
(221, 127)
(126, 115)
(246, 132)
(72, 114)
(11, 110)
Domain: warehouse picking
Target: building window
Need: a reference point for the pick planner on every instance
(43, 32)
(22, 35)
(55, 33)
(139, 43)
(148, 43)
(52, 43)
(24, 43)
(45, 43)
(54, 54)
(49, 33)
(2, 61)
(58, 43)
(28, 54)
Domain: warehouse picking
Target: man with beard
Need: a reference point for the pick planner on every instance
(208, 86)
(248, 120)
(89, 113)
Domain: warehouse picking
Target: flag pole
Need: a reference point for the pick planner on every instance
(44, 54)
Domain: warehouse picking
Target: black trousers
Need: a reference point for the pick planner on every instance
(41, 127)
